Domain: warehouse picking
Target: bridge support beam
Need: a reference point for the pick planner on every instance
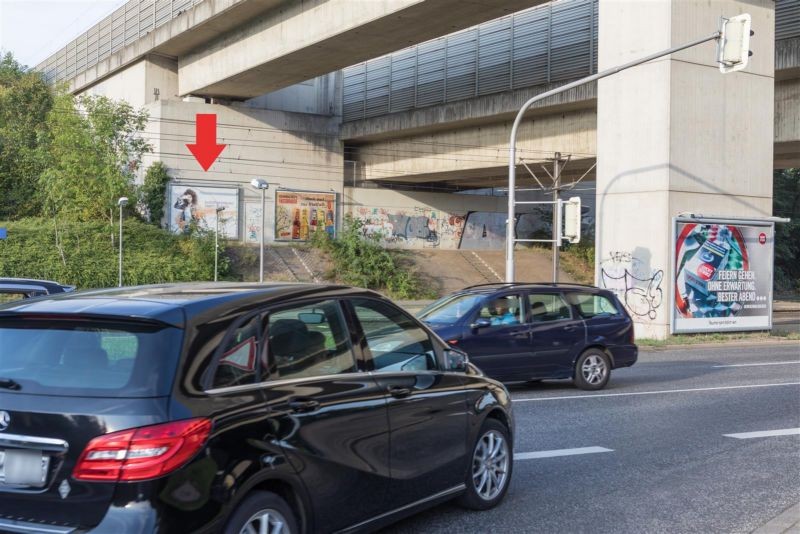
(675, 135)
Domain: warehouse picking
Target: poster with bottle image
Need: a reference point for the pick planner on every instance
(298, 214)
(723, 276)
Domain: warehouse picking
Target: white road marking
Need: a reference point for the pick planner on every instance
(765, 433)
(757, 364)
(566, 397)
(559, 452)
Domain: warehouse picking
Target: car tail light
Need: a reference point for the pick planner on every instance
(633, 335)
(142, 453)
(452, 341)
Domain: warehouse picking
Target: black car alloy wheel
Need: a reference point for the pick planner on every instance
(262, 512)
(490, 470)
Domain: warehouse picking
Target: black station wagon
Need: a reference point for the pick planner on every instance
(529, 332)
(238, 408)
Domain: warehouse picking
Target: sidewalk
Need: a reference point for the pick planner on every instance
(788, 522)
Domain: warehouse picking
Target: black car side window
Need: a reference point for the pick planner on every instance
(593, 305)
(238, 361)
(548, 307)
(395, 341)
(308, 340)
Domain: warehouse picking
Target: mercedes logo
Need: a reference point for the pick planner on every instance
(5, 420)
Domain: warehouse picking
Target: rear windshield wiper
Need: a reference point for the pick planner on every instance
(8, 383)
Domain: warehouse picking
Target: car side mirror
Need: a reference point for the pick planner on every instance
(456, 360)
(481, 323)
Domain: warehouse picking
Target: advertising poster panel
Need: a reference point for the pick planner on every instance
(196, 204)
(298, 214)
(252, 222)
(723, 276)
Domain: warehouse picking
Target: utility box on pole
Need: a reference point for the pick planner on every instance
(733, 46)
(572, 220)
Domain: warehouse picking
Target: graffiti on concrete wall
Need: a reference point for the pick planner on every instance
(484, 230)
(430, 228)
(636, 285)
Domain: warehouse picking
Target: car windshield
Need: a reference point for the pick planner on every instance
(80, 358)
(449, 310)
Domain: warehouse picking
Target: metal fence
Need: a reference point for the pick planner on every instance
(123, 27)
(545, 44)
(787, 19)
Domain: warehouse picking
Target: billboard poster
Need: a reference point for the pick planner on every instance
(298, 214)
(252, 222)
(197, 204)
(723, 276)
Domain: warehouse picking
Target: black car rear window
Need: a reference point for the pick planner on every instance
(82, 358)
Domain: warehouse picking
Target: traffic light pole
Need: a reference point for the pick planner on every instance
(512, 146)
(556, 213)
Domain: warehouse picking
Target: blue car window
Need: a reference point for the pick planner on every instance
(502, 311)
(548, 307)
(593, 305)
(449, 310)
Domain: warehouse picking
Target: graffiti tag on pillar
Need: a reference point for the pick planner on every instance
(640, 291)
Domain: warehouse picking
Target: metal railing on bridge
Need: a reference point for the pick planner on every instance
(124, 26)
(547, 44)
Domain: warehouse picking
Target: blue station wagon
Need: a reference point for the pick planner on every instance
(529, 332)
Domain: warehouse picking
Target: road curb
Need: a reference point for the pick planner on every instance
(737, 343)
(788, 522)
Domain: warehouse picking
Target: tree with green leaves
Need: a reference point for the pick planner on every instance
(94, 151)
(153, 192)
(25, 101)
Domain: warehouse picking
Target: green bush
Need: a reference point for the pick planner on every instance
(361, 261)
(84, 254)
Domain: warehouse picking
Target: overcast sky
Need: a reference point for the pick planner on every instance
(33, 29)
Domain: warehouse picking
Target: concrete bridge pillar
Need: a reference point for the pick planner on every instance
(675, 135)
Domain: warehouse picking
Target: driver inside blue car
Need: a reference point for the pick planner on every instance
(501, 313)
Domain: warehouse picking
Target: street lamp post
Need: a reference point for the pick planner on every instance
(260, 183)
(122, 202)
(220, 209)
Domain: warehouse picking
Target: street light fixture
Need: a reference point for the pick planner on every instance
(260, 183)
(219, 210)
(122, 202)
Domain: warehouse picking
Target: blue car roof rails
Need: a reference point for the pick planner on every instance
(549, 284)
(501, 284)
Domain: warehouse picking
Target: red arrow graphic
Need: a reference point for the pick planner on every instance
(205, 149)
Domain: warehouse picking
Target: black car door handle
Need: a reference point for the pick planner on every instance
(398, 392)
(570, 328)
(303, 406)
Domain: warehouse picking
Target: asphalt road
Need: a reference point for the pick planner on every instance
(670, 466)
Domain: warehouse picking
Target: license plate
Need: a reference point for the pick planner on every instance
(23, 467)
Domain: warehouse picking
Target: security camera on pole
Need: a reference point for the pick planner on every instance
(733, 51)
(262, 185)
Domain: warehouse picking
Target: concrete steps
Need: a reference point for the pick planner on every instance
(304, 265)
(450, 270)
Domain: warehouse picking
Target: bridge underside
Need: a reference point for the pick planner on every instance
(301, 40)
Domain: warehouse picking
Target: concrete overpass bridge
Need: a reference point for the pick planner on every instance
(240, 49)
